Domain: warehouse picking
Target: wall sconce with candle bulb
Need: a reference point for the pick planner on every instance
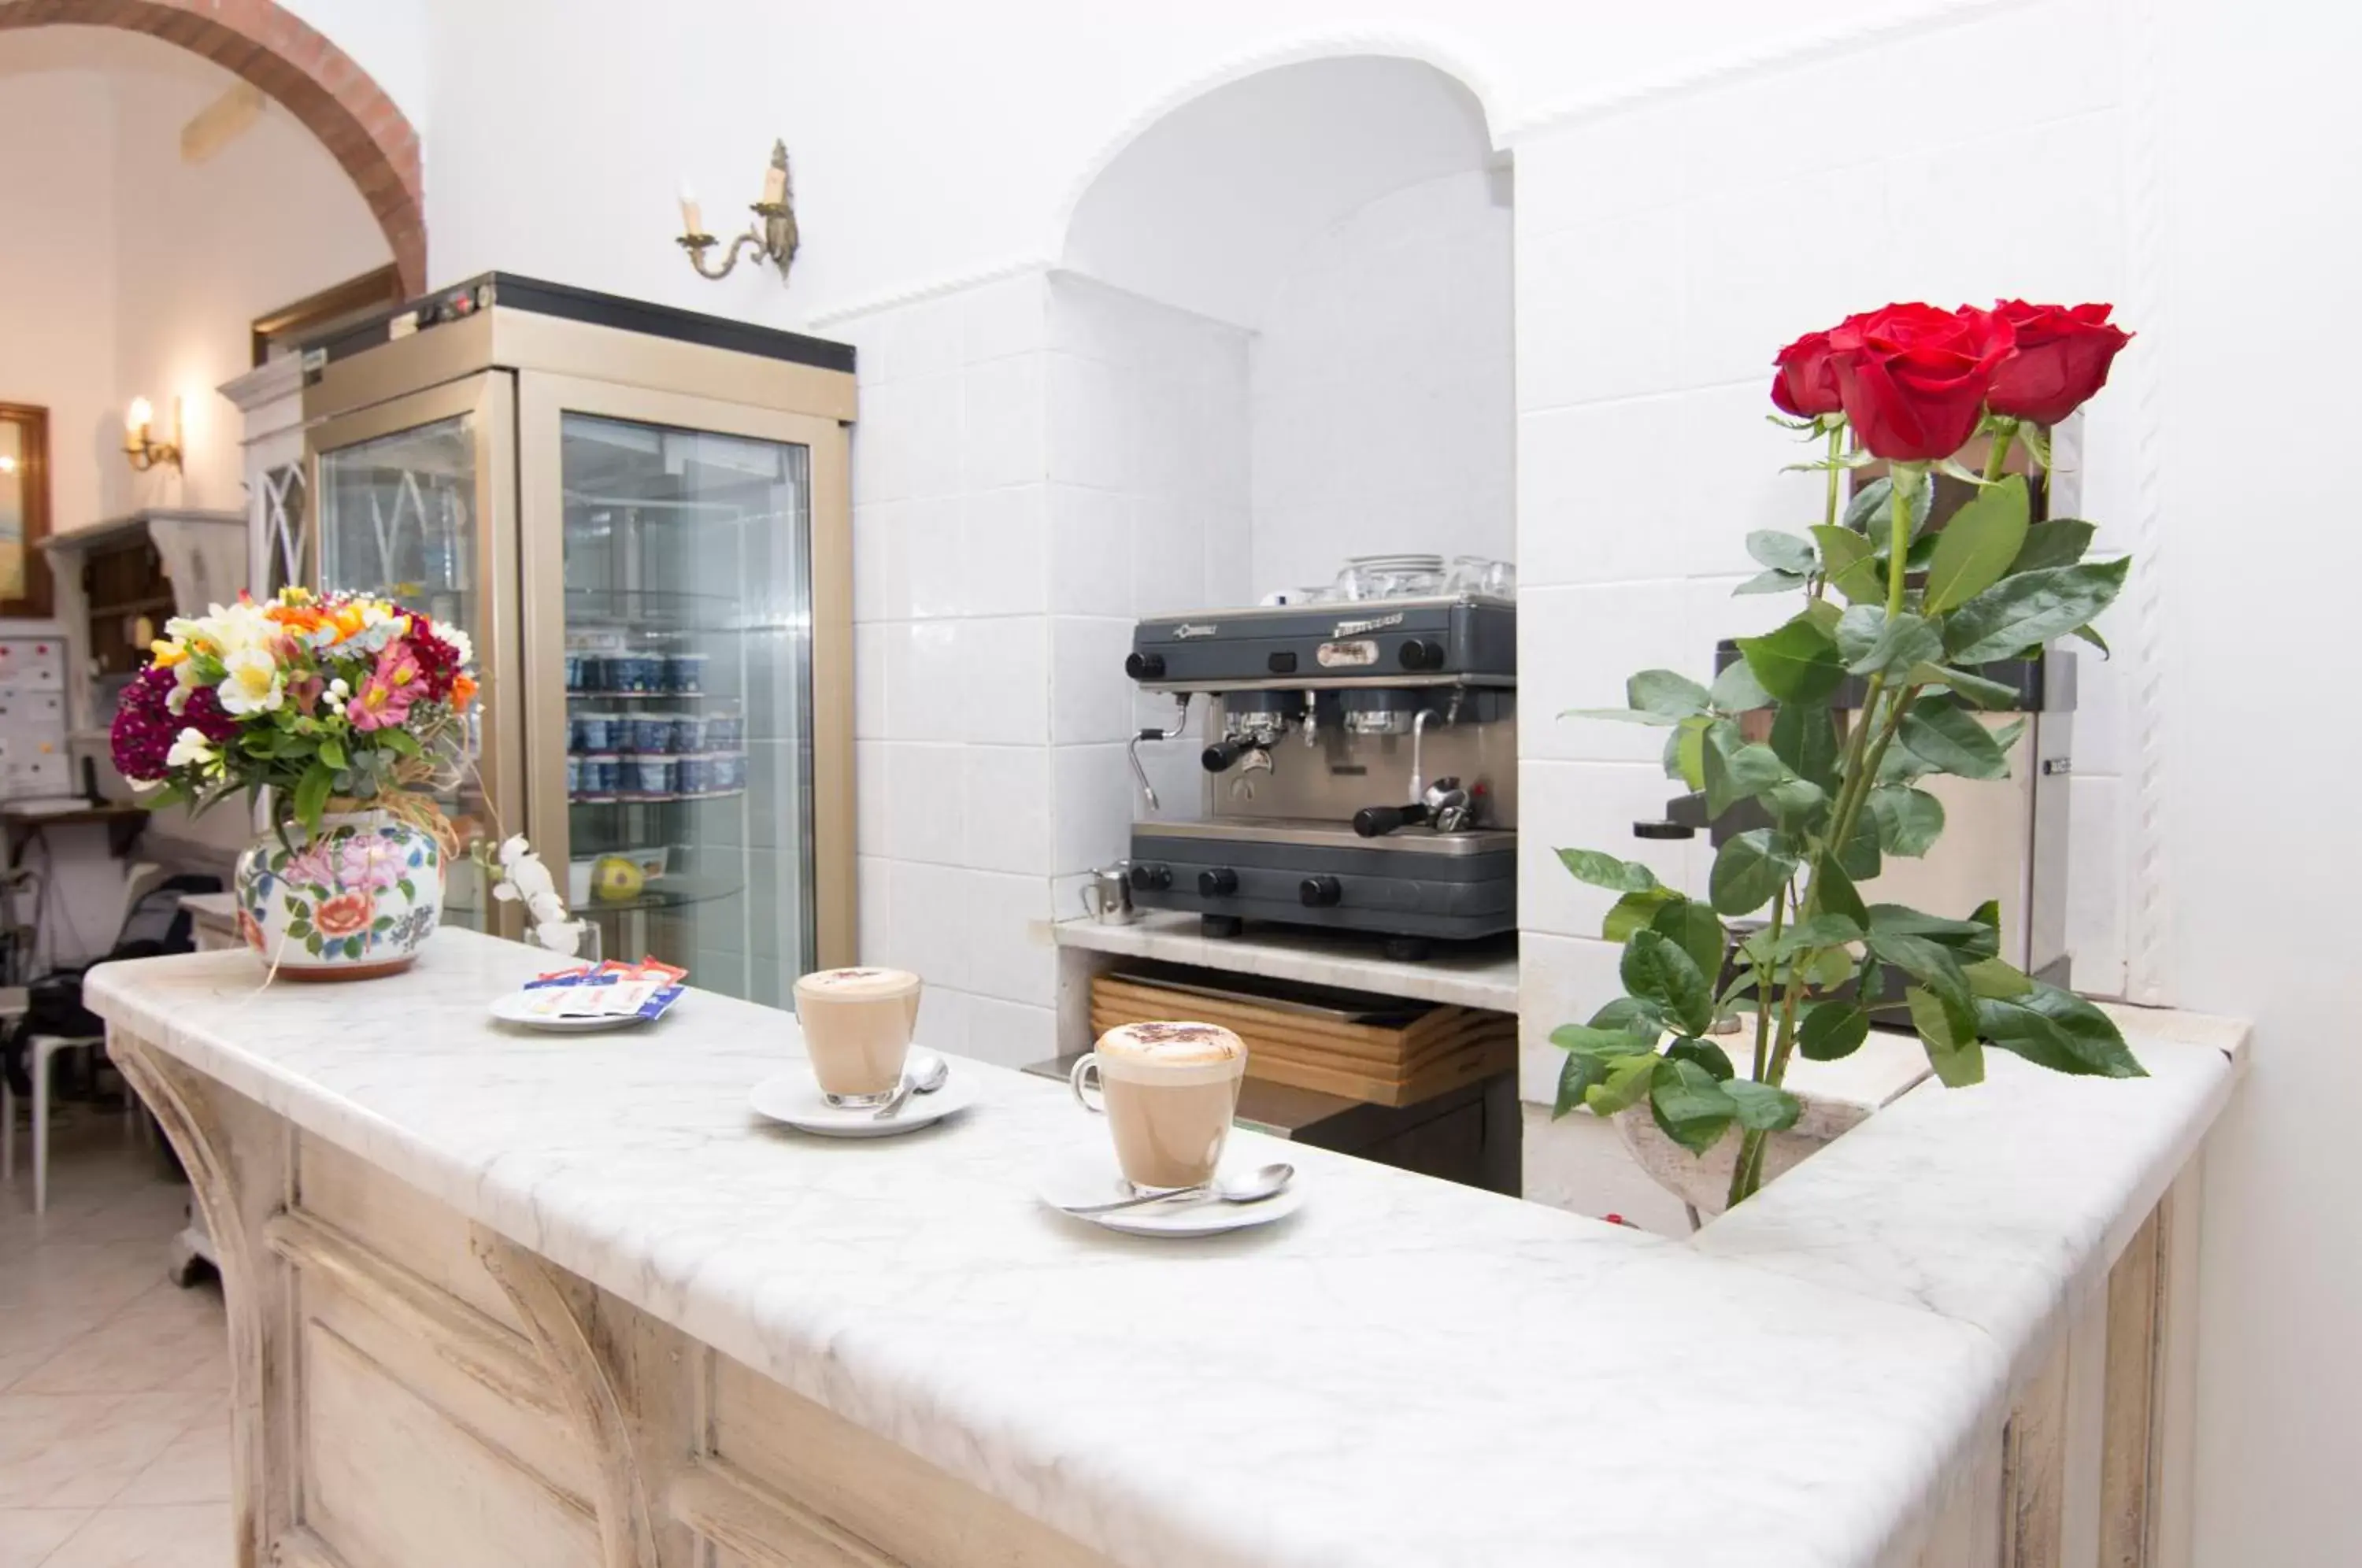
(772, 234)
(139, 445)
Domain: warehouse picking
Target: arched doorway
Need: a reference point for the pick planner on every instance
(318, 83)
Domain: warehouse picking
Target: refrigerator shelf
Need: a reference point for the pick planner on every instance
(585, 692)
(665, 893)
(623, 800)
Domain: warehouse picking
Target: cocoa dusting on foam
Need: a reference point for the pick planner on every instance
(861, 982)
(1174, 1043)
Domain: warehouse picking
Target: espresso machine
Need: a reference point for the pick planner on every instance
(1359, 767)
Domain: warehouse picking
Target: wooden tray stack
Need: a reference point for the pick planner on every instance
(1376, 1050)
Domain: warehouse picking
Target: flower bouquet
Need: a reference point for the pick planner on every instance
(1809, 751)
(351, 712)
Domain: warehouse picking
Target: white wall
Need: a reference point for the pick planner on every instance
(2261, 104)
(203, 248)
(57, 275)
(1030, 472)
(1382, 396)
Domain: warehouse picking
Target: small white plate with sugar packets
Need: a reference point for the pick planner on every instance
(584, 1009)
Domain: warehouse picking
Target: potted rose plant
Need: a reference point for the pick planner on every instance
(351, 712)
(1911, 612)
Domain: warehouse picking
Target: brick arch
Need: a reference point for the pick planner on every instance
(318, 83)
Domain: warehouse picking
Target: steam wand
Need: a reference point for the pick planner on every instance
(1131, 748)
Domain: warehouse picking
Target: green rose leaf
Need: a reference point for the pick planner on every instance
(1948, 1031)
(1627, 1080)
(1832, 1030)
(2030, 609)
(1769, 583)
(1798, 803)
(1633, 913)
(400, 742)
(2092, 636)
(1858, 857)
(1866, 512)
(1909, 820)
(1969, 938)
(1665, 694)
(1780, 552)
(1692, 927)
(1992, 977)
(1797, 663)
(1736, 771)
(1805, 737)
(1685, 753)
(1872, 643)
(1977, 546)
(332, 752)
(1837, 894)
(1824, 930)
(1984, 693)
(1588, 1040)
(1736, 690)
(1642, 1020)
(1846, 557)
(2058, 1030)
(1656, 969)
(1748, 869)
(1930, 963)
(1576, 1076)
(1949, 740)
(1690, 1108)
(1605, 871)
(1761, 1107)
(1706, 1055)
(2059, 542)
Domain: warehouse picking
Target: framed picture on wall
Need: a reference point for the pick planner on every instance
(24, 510)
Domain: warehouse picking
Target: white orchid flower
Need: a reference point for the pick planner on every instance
(252, 683)
(191, 748)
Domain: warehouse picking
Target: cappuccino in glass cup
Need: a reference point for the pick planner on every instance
(1168, 1091)
(857, 1025)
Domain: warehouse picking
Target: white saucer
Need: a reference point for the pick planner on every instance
(1090, 1175)
(794, 1097)
(512, 1007)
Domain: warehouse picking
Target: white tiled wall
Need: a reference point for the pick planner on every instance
(1663, 254)
(1038, 460)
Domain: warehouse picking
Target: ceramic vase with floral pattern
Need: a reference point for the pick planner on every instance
(351, 902)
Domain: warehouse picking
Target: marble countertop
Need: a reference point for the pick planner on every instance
(1487, 979)
(1405, 1373)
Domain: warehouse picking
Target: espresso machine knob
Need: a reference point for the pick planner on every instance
(1321, 892)
(1144, 666)
(1218, 883)
(1421, 653)
(1150, 877)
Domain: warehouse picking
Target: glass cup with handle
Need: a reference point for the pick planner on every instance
(1168, 1091)
(856, 1026)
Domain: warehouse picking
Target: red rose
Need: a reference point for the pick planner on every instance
(344, 914)
(2062, 359)
(1807, 384)
(1913, 377)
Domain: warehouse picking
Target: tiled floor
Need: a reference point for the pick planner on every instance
(113, 1382)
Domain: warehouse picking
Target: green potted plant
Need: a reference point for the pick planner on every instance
(1911, 612)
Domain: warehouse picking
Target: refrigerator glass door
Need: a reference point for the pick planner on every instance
(686, 655)
(415, 503)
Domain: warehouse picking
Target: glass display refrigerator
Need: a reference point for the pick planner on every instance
(641, 517)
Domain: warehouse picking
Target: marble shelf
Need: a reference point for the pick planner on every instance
(1429, 1368)
(1487, 977)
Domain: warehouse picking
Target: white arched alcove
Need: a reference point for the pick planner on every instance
(1347, 221)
